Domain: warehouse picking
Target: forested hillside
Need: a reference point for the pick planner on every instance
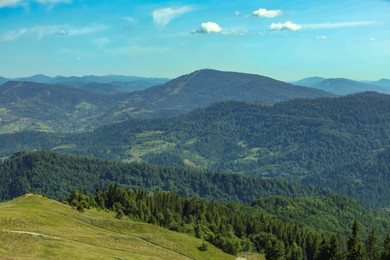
(81, 104)
(54, 175)
(234, 227)
(296, 139)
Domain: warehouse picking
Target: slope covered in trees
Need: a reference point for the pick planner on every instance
(54, 175)
(297, 139)
(234, 227)
(34, 227)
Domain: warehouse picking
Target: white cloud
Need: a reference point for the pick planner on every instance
(373, 39)
(337, 25)
(267, 13)
(10, 3)
(209, 27)
(60, 30)
(14, 3)
(287, 26)
(164, 16)
(13, 35)
(53, 1)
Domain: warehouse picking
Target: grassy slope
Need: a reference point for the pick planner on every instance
(34, 227)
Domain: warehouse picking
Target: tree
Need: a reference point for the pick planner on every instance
(354, 247)
(371, 247)
(274, 250)
(386, 248)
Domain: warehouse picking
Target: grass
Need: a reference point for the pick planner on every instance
(34, 227)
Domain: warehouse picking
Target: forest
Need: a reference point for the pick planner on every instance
(234, 227)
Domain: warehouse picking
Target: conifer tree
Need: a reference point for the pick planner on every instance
(386, 248)
(371, 247)
(354, 247)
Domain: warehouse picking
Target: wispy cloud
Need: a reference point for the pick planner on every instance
(40, 32)
(15, 3)
(267, 13)
(164, 16)
(337, 25)
(211, 27)
(322, 37)
(287, 26)
(290, 26)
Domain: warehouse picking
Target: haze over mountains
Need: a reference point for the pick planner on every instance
(290, 153)
(63, 108)
(343, 86)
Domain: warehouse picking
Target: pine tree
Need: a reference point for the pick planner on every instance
(371, 247)
(354, 247)
(386, 248)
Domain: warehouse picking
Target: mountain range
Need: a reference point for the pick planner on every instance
(343, 86)
(110, 84)
(295, 139)
(63, 108)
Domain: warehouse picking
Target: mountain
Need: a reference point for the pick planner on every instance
(103, 88)
(366, 178)
(342, 86)
(35, 227)
(65, 109)
(346, 86)
(294, 139)
(51, 108)
(309, 82)
(385, 83)
(3, 80)
(203, 87)
(124, 83)
(39, 78)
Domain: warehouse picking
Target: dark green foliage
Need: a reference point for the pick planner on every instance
(354, 246)
(331, 213)
(331, 142)
(54, 175)
(229, 226)
(204, 246)
(386, 249)
(371, 246)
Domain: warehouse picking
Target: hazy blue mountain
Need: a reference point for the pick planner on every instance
(342, 86)
(203, 87)
(28, 105)
(125, 83)
(3, 80)
(382, 83)
(308, 82)
(103, 88)
(51, 107)
(39, 78)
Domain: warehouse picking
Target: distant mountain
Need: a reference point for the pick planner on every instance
(64, 108)
(3, 80)
(342, 86)
(203, 87)
(103, 88)
(51, 108)
(309, 82)
(382, 83)
(39, 78)
(124, 83)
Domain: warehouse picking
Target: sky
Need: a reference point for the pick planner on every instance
(283, 39)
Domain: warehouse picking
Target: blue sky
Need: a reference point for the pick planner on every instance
(283, 39)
